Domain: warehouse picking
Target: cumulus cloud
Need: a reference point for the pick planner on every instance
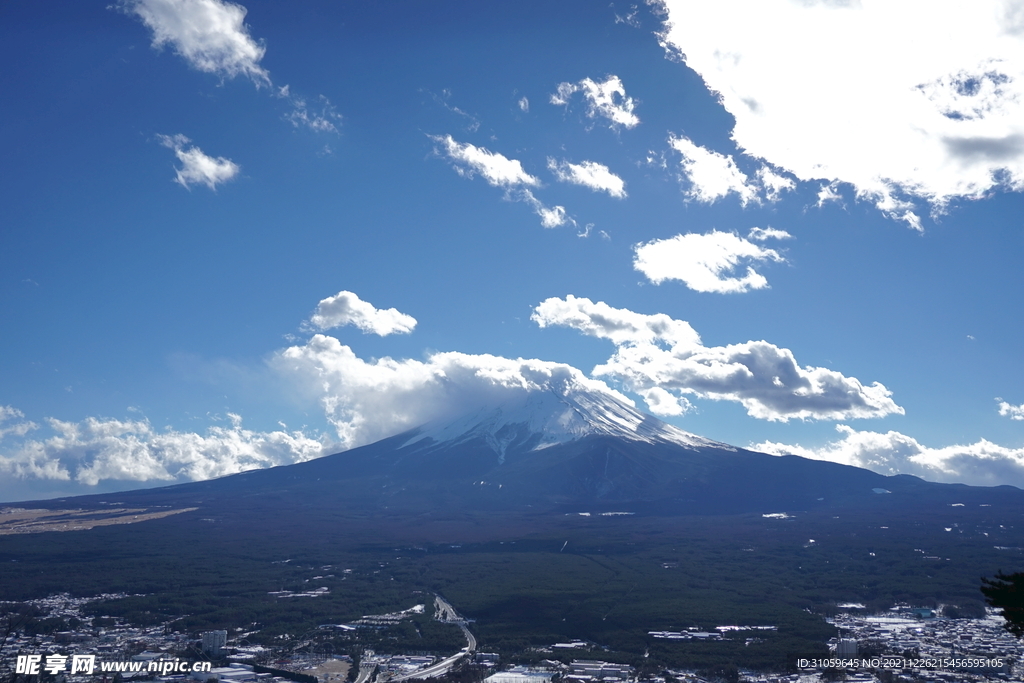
(589, 174)
(500, 171)
(706, 263)
(607, 100)
(979, 464)
(210, 35)
(932, 112)
(346, 308)
(524, 104)
(98, 450)
(197, 166)
(663, 360)
(369, 400)
(712, 175)
(1011, 411)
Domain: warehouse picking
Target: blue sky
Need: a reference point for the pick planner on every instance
(235, 236)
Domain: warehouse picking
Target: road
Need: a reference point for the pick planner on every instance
(448, 615)
(366, 670)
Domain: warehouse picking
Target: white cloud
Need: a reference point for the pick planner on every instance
(346, 308)
(705, 263)
(209, 34)
(629, 18)
(762, 234)
(979, 464)
(663, 360)
(98, 450)
(589, 174)
(369, 400)
(712, 175)
(20, 426)
(774, 184)
(550, 216)
(321, 118)
(1011, 411)
(607, 100)
(498, 170)
(829, 193)
(196, 166)
(905, 101)
(444, 99)
(524, 104)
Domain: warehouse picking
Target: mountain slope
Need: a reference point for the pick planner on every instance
(566, 450)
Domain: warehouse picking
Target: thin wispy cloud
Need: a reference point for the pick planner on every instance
(550, 216)
(346, 308)
(982, 463)
(605, 99)
(197, 167)
(210, 35)
(708, 262)
(444, 99)
(664, 361)
(589, 174)
(497, 169)
(769, 233)
(629, 18)
(500, 171)
(917, 119)
(319, 117)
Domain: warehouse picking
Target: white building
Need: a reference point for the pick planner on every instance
(214, 641)
(520, 674)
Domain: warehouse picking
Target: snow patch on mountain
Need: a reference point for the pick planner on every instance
(555, 415)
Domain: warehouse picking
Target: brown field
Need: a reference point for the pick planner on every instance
(22, 521)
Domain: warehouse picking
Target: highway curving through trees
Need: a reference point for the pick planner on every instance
(447, 614)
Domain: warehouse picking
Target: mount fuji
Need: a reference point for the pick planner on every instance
(566, 448)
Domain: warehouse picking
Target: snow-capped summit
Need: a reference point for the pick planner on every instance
(534, 420)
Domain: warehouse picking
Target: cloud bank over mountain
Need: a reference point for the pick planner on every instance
(982, 463)
(664, 361)
(96, 450)
(368, 400)
(657, 357)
